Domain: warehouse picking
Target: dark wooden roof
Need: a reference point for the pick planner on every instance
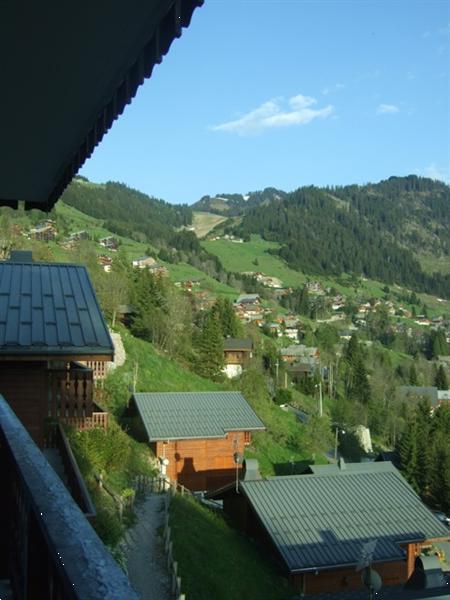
(50, 309)
(68, 71)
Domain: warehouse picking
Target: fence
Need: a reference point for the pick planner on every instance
(172, 565)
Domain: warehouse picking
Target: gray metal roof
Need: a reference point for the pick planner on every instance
(187, 415)
(416, 391)
(320, 521)
(238, 344)
(50, 309)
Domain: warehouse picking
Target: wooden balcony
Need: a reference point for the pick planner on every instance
(48, 550)
(70, 392)
(71, 399)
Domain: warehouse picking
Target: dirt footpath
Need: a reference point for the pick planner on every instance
(144, 551)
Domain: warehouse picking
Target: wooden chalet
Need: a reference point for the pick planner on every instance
(196, 433)
(44, 232)
(49, 320)
(314, 526)
(143, 261)
(294, 353)
(62, 97)
(237, 353)
(109, 242)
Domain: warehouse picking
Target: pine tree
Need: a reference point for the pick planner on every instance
(440, 380)
(423, 446)
(412, 375)
(210, 347)
(408, 452)
(440, 473)
(360, 387)
(352, 349)
(231, 327)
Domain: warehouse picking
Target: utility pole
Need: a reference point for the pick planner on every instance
(135, 376)
(319, 385)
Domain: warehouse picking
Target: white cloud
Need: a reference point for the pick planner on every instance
(444, 30)
(276, 113)
(337, 87)
(387, 109)
(434, 172)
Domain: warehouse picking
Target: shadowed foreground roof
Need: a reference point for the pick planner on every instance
(50, 309)
(187, 415)
(322, 520)
(68, 71)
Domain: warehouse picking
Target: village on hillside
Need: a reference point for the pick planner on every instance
(251, 403)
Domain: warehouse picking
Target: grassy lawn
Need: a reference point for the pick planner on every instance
(216, 562)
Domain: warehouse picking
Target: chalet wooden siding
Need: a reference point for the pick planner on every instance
(197, 432)
(24, 387)
(202, 464)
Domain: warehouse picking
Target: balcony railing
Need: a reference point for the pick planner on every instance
(57, 440)
(48, 550)
(70, 392)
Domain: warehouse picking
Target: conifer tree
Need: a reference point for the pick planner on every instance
(210, 346)
(423, 446)
(440, 380)
(412, 375)
(408, 453)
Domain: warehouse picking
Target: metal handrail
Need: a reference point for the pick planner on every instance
(47, 547)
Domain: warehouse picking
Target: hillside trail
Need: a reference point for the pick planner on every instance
(144, 551)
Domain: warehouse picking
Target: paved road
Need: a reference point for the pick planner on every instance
(144, 551)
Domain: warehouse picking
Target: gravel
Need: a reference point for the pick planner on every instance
(144, 551)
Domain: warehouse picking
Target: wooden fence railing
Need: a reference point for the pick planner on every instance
(172, 565)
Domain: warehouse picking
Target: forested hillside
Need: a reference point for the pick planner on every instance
(377, 231)
(126, 211)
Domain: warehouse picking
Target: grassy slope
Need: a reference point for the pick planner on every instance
(216, 562)
(203, 222)
(157, 373)
(133, 249)
(240, 257)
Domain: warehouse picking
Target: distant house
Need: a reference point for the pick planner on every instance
(144, 261)
(291, 327)
(44, 231)
(414, 393)
(315, 287)
(237, 353)
(76, 236)
(105, 262)
(293, 353)
(249, 299)
(304, 367)
(315, 525)
(158, 270)
(196, 435)
(248, 308)
(189, 284)
(346, 334)
(109, 242)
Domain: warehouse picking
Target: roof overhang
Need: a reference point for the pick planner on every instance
(68, 71)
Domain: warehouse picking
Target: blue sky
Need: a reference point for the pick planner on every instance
(286, 93)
